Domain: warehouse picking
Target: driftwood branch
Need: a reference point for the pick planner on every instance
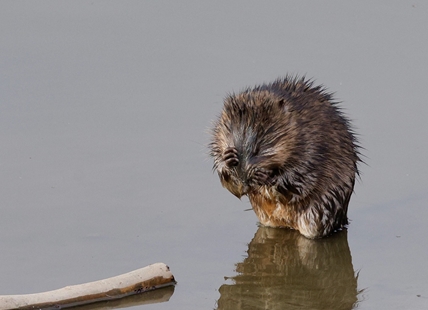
(135, 282)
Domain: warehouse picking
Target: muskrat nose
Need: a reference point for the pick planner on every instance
(245, 189)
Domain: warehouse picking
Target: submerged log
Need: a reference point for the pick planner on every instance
(135, 282)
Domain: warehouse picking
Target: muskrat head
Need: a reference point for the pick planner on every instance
(242, 173)
(247, 142)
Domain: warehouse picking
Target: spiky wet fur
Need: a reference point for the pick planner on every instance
(288, 147)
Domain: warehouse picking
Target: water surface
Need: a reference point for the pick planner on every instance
(104, 112)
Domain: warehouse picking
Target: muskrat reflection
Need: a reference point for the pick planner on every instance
(285, 270)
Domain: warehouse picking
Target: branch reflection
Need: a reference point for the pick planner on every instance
(284, 270)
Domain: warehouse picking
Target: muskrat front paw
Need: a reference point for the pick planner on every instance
(230, 157)
(262, 176)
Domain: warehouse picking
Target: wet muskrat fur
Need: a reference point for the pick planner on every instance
(288, 147)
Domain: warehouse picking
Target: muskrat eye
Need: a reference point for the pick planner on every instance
(256, 150)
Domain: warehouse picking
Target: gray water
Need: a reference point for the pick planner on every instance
(104, 113)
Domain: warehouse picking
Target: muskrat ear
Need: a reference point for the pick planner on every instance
(284, 106)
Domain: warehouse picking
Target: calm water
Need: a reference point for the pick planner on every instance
(104, 112)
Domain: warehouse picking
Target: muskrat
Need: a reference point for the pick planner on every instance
(290, 149)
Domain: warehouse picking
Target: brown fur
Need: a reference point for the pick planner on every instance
(287, 146)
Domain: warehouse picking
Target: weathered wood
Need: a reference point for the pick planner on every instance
(135, 282)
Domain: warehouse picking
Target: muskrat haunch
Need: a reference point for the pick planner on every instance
(289, 148)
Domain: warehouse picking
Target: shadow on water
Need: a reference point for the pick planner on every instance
(284, 270)
(146, 298)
